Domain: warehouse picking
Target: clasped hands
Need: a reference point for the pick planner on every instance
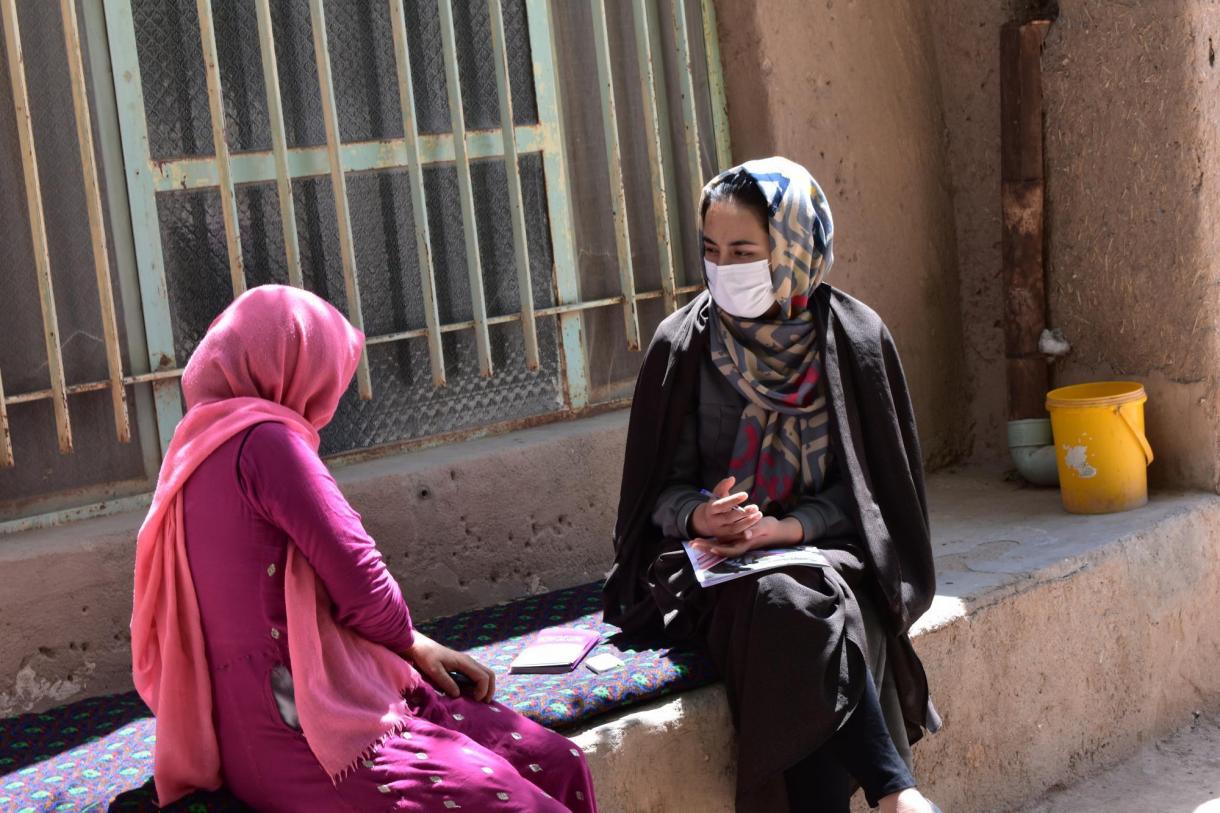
(726, 526)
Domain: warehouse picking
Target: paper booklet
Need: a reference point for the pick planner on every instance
(554, 651)
(711, 569)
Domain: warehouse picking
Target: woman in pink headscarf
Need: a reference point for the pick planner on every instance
(269, 638)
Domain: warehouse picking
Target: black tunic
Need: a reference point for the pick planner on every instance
(791, 644)
(704, 450)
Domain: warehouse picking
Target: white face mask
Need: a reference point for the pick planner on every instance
(743, 290)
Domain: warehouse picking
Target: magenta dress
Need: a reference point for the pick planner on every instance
(260, 492)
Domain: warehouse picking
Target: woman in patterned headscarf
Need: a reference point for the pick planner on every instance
(772, 411)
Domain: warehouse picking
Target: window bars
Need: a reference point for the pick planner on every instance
(224, 170)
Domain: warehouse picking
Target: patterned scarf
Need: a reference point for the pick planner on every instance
(783, 443)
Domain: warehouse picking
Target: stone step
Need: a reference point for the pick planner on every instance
(1057, 645)
(461, 526)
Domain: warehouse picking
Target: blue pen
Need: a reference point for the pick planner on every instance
(712, 496)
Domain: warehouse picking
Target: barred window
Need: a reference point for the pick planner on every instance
(499, 278)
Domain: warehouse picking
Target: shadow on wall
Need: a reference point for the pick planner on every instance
(1131, 148)
(905, 138)
(851, 90)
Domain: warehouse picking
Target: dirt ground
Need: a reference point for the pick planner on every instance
(1178, 775)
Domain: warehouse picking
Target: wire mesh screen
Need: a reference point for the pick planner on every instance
(612, 366)
(361, 46)
(362, 53)
(405, 405)
(100, 464)
(159, 45)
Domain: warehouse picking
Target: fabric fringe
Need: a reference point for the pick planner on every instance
(397, 728)
(369, 752)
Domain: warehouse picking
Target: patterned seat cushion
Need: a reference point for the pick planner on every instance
(495, 635)
(97, 754)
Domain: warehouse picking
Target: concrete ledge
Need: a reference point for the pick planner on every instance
(1060, 643)
(673, 755)
(1056, 646)
(461, 526)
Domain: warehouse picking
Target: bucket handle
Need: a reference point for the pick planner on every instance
(1139, 436)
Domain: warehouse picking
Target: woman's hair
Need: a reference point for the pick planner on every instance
(741, 189)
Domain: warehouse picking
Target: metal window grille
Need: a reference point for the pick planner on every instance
(406, 160)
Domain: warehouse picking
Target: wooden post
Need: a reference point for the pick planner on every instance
(1022, 193)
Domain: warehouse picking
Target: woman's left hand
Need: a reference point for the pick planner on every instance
(435, 662)
(768, 532)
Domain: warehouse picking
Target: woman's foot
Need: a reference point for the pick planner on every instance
(906, 801)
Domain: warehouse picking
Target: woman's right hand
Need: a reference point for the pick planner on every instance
(719, 517)
(435, 661)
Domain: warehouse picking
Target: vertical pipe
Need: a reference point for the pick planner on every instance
(419, 202)
(715, 83)
(652, 127)
(558, 202)
(474, 266)
(690, 116)
(513, 174)
(145, 226)
(668, 162)
(347, 248)
(1022, 198)
(119, 209)
(38, 229)
(6, 438)
(614, 166)
(279, 142)
(216, 106)
(97, 224)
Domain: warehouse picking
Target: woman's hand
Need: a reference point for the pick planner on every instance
(722, 516)
(768, 532)
(435, 662)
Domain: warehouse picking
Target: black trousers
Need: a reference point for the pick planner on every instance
(861, 750)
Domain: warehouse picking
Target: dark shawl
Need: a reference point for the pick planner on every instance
(874, 439)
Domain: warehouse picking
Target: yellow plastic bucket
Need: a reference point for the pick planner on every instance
(1100, 445)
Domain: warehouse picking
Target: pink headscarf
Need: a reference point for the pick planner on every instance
(275, 354)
